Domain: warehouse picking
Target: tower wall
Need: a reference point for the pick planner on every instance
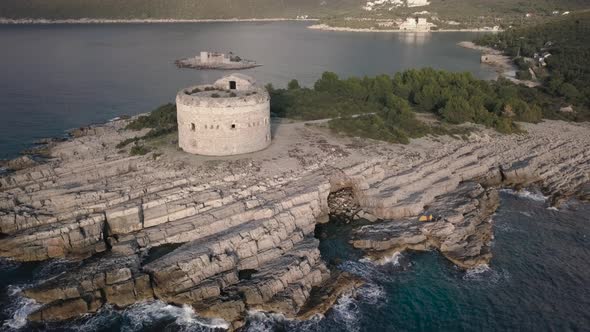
(223, 125)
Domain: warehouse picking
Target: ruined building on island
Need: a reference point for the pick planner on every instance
(229, 117)
(214, 58)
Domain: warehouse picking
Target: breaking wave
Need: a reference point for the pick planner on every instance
(366, 270)
(347, 312)
(142, 315)
(392, 259)
(485, 275)
(532, 195)
(260, 321)
(19, 308)
(372, 294)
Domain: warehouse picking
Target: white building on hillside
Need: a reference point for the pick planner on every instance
(416, 24)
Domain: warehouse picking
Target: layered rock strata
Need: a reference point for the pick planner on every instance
(461, 231)
(241, 228)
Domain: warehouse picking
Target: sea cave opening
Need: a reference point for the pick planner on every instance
(334, 234)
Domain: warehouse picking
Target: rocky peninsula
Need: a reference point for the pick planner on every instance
(237, 232)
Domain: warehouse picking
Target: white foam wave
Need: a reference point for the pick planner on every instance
(145, 314)
(259, 321)
(535, 196)
(367, 270)
(392, 259)
(347, 312)
(552, 208)
(20, 308)
(476, 271)
(372, 294)
(485, 275)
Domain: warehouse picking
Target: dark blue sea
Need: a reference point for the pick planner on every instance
(55, 77)
(537, 281)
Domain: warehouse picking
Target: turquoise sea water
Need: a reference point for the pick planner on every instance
(537, 281)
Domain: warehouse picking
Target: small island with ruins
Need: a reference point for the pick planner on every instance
(216, 60)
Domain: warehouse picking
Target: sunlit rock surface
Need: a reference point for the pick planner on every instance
(239, 230)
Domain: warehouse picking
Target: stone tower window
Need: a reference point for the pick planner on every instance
(193, 127)
(232, 85)
(233, 126)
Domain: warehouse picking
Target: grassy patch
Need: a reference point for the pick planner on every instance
(139, 150)
(164, 117)
(162, 122)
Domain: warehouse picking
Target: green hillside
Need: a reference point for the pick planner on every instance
(464, 13)
(567, 40)
(467, 12)
(180, 9)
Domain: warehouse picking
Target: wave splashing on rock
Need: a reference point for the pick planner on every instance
(19, 308)
(533, 194)
(148, 316)
(142, 315)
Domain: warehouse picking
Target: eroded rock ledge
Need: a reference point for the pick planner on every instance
(241, 228)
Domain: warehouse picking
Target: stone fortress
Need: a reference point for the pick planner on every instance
(230, 117)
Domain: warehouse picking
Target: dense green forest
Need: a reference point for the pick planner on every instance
(567, 39)
(389, 103)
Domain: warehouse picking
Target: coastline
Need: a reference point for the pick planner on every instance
(484, 49)
(502, 64)
(326, 27)
(188, 201)
(8, 21)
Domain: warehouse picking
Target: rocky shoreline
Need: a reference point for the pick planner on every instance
(503, 64)
(237, 232)
(326, 27)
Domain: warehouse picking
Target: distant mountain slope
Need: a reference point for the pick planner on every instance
(468, 12)
(181, 9)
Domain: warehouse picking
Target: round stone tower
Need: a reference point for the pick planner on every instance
(230, 117)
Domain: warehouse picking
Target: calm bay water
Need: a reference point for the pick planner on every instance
(56, 77)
